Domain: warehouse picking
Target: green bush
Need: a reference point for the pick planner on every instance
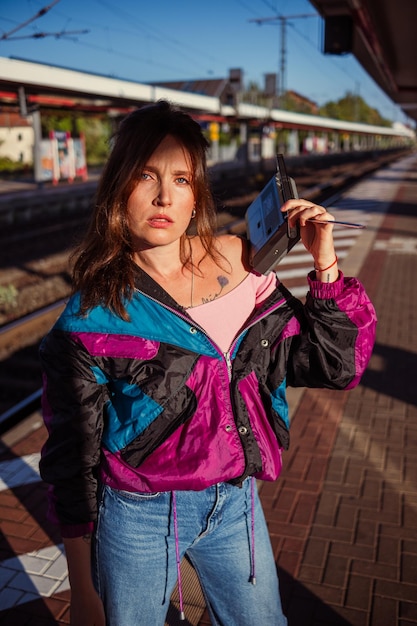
(8, 298)
(7, 166)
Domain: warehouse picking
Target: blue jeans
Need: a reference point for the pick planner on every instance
(135, 555)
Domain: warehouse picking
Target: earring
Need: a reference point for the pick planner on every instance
(193, 213)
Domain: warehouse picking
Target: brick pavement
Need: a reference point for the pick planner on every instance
(343, 515)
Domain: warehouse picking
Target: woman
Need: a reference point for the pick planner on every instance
(165, 386)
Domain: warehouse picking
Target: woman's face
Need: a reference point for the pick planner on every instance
(159, 208)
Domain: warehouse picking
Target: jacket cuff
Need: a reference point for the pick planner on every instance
(325, 291)
(76, 530)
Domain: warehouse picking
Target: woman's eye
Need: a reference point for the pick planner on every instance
(182, 180)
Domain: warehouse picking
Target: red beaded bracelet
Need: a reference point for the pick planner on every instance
(326, 268)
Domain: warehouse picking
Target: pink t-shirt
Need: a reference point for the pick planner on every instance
(223, 317)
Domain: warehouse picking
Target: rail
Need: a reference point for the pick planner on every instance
(15, 335)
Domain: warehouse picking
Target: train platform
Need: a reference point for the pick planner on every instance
(343, 515)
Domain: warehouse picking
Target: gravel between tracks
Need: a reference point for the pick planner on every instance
(37, 284)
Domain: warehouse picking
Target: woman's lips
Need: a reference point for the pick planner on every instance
(159, 221)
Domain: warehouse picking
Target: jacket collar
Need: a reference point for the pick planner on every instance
(147, 285)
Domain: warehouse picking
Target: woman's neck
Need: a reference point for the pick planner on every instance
(164, 262)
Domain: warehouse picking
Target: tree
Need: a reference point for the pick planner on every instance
(353, 108)
(96, 131)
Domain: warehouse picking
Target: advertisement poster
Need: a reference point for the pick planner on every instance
(66, 165)
(60, 158)
(47, 160)
(80, 159)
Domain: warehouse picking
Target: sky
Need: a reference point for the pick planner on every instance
(163, 40)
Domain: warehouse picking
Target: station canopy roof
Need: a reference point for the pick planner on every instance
(384, 41)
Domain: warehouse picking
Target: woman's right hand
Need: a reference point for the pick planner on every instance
(86, 609)
(86, 606)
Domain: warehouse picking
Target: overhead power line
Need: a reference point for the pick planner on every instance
(39, 14)
(39, 35)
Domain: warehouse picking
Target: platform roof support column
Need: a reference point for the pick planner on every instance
(214, 141)
(244, 139)
(346, 142)
(37, 150)
(293, 143)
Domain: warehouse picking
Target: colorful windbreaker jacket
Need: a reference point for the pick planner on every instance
(152, 404)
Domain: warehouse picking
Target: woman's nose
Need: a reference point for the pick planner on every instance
(164, 194)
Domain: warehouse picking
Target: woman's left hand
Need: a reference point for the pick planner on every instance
(317, 238)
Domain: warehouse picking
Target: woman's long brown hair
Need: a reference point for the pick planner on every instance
(103, 269)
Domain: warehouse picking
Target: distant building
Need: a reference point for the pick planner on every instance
(230, 91)
(16, 137)
(302, 104)
(225, 89)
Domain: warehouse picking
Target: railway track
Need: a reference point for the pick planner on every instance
(19, 367)
(20, 338)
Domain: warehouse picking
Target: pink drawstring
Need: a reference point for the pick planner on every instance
(177, 556)
(252, 497)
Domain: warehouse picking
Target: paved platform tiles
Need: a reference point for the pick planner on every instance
(343, 515)
(350, 478)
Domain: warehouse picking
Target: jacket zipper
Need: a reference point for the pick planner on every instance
(226, 355)
(228, 359)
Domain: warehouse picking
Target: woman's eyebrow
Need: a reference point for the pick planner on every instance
(182, 173)
(153, 168)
